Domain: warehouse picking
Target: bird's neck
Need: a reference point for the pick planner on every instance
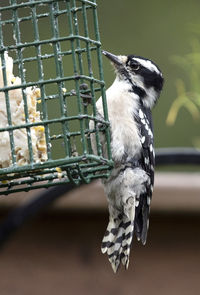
(147, 96)
(122, 101)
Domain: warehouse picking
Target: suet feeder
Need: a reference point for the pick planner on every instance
(50, 77)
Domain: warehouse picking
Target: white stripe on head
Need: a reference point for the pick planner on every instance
(147, 64)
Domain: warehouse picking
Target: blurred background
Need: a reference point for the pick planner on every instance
(59, 250)
(164, 32)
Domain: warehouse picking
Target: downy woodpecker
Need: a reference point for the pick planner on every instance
(129, 188)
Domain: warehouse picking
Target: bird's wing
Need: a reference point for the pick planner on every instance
(147, 160)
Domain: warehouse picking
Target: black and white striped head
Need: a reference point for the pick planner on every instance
(144, 76)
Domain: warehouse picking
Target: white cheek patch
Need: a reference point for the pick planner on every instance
(137, 80)
(148, 64)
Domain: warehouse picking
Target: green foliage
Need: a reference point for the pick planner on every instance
(188, 97)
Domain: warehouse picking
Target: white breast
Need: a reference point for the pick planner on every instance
(121, 105)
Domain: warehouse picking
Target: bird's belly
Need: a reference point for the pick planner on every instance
(125, 139)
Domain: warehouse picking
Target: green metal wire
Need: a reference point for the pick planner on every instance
(40, 76)
(22, 76)
(66, 42)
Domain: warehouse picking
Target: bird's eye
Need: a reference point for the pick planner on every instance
(135, 66)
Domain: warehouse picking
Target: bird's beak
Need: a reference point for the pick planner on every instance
(113, 58)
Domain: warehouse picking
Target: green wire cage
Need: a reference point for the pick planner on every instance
(51, 75)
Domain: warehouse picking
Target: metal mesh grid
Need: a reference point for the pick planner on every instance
(55, 46)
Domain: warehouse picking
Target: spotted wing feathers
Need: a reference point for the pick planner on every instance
(144, 120)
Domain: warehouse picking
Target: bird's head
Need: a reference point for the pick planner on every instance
(145, 78)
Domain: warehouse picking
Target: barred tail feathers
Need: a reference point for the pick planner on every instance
(117, 241)
(123, 193)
